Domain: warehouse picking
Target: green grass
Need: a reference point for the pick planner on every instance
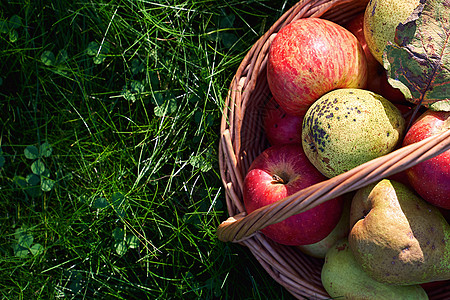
(109, 180)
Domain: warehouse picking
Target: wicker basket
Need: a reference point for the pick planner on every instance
(242, 139)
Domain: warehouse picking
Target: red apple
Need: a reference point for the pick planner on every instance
(402, 178)
(389, 92)
(408, 112)
(310, 57)
(431, 178)
(355, 26)
(376, 74)
(430, 286)
(278, 172)
(280, 127)
(445, 213)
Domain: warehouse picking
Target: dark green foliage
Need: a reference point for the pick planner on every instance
(110, 115)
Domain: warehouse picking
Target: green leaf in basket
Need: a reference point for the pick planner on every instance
(419, 61)
(443, 105)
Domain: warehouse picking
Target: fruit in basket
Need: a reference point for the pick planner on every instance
(431, 178)
(344, 278)
(381, 18)
(386, 90)
(397, 237)
(376, 74)
(348, 127)
(408, 111)
(433, 285)
(310, 57)
(445, 213)
(279, 126)
(340, 231)
(355, 26)
(280, 171)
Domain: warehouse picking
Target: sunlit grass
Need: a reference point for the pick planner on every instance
(129, 95)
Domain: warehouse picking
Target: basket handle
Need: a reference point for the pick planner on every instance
(243, 226)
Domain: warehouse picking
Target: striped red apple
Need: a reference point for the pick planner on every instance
(310, 57)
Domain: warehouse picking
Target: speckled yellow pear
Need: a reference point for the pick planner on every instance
(343, 278)
(348, 127)
(380, 21)
(397, 237)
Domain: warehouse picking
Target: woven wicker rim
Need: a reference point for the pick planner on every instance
(297, 272)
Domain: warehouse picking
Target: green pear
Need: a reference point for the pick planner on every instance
(343, 278)
(398, 237)
(381, 18)
(347, 127)
(341, 230)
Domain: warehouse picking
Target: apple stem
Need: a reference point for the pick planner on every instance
(277, 179)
